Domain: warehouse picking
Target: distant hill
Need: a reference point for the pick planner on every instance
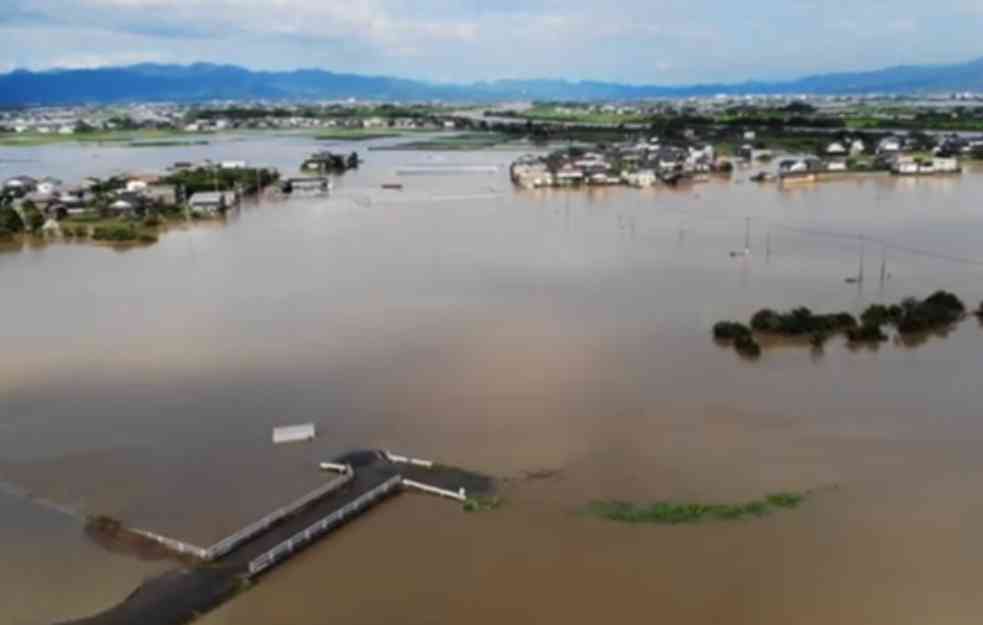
(149, 82)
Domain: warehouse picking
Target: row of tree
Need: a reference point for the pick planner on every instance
(910, 316)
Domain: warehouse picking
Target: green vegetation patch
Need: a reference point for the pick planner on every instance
(671, 513)
(911, 316)
(463, 142)
(164, 144)
(357, 134)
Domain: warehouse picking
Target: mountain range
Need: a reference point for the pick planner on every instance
(203, 81)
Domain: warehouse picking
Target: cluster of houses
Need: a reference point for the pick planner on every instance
(133, 195)
(636, 164)
(69, 120)
(167, 116)
(901, 155)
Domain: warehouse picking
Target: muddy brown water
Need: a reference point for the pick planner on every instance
(560, 334)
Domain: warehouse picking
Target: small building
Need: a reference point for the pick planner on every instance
(889, 145)
(20, 184)
(642, 178)
(165, 194)
(209, 203)
(836, 149)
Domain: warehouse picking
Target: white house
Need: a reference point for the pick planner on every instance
(889, 145)
(642, 178)
(836, 149)
(857, 147)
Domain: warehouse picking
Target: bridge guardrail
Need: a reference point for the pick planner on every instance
(262, 562)
(229, 543)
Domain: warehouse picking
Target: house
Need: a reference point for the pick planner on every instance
(20, 184)
(857, 147)
(232, 165)
(161, 194)
(889, 145)
(836, 149)
(642, 178)
(836, 165)
(122, 207)
(908, 166)
(209, 203)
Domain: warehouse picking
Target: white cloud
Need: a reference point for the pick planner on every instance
(669, 41)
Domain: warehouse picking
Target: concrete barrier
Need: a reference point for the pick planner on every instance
(433, 490)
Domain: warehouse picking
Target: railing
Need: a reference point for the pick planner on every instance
(174, 545)
(287, 547)
(459, 495)
(407, 460)
(229, 543)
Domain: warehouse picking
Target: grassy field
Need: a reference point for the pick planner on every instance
(669, 513)
(463, 142)
(360, 134)
(122, 137)
(552, 114)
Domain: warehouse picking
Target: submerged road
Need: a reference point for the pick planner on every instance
(179, 596)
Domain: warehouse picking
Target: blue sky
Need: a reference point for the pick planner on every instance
(637, 41)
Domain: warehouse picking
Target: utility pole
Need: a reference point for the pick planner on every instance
(860, 274)
(747, 236)
(883, 264)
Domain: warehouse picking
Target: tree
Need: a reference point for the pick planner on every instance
(10, 220)
(34, 218)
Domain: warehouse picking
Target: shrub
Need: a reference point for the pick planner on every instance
(10, 220)
(747, 346)
(800, 321)
(867, 333)
(939, 309)
(730, 330)
(118, 232)
(148, 237)
(766, 320)
(151, 221)
(33, 217)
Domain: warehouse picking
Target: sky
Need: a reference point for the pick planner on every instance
(666, 42)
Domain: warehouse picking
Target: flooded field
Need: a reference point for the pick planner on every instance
(560, 334)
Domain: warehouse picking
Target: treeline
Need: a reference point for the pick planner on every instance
(247, 180)
(909, 317)
(244, 113)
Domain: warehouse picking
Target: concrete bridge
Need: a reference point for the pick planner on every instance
(365, 479)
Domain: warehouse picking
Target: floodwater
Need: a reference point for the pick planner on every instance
(511, 332)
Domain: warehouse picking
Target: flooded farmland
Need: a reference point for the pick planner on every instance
(563, 335)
